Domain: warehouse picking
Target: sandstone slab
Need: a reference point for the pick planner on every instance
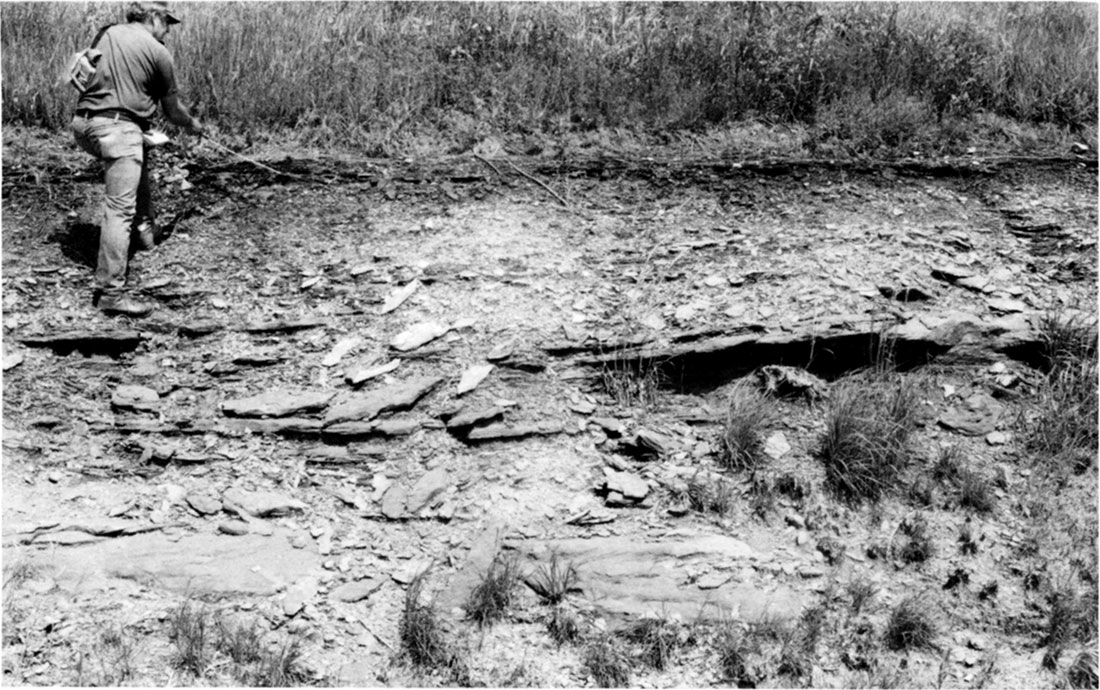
(277, 403)
(260, 503)
(366, 406)
(623, 577)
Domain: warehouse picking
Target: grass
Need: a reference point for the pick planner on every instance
(705, 493)
(632, 383)
(1082, 673)
(607, 662)
(865, 447)
(741, 442)
(1062, 427)
(854, 78)
(562, 624)
(555, 580)
(976, 492)
(861, 592)
(206, 639)
(191, 631)
(736, 651)
(420, 630)
(917, 545)
(489, 599)
(968, 545)
(1071, 617)
(657, 638)
(112, 659)
(910, 625)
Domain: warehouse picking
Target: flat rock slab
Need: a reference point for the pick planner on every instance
(277, 403)
(260, 503)
(625, 578)
(137, 398)
(286, 426)
(511, 432)
(205, 563)
(88, 342)
(366, 406)
(427, 489)
(358, 590)
(283, 326)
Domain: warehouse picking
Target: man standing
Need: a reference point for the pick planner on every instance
(134, 73)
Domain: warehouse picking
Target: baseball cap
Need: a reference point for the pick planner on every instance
(161, 7)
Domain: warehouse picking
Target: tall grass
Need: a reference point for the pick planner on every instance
(374, 73)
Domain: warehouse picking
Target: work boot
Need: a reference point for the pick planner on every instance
(123, 305)
(145, 235)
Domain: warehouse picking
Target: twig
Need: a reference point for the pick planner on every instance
(538, 182)
(254, 162)
(377, 636)
(490, 164)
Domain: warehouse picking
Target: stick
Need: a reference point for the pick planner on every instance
(490, 164)
(253, 162)
(538, 182)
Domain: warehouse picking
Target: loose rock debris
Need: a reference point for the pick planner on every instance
(297, 463)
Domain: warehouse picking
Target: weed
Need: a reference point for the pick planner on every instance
(741, 444)
(948, 465)
(563, 625)
(278, 669)
(552, 582)
(762, 497)
(113, 656)
(865, 447)
(632, 382)
(832, 549)
(241, 642)
(917, 545)
(1063, 427)
(607, 662)
(1082, 673)
(707, 493)
(799, 645)
(794, 487)
(190, 631)
(975, 492)
(922, 492)
(658, 638)
(1071, 617)
(735, 652)
(880, 676)
(491, 597)
(861, 591)
(420, 631)
(968, 545)
(910, 625)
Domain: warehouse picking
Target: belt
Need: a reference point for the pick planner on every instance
(116, 115)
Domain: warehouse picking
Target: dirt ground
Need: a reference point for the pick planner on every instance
(119, 509)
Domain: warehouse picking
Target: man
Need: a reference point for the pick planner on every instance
(134, 73)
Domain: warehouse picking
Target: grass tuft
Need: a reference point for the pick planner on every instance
(917, 545)
(741, 443)
(862, 592)
(1083, 672)
(910, 625)
(632, 382)
(658, 638)
(608, 663)
(976, 492)
(1062, 427)
(490, 598)
(563, 625)
(190, 631)
(735, 650)
(865, 447)
(555, 580)
(420, 630)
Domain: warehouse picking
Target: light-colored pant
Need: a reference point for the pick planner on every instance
(120, 146)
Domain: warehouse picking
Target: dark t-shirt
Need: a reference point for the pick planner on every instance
(134, 74)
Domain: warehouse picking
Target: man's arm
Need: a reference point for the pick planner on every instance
(177, 114)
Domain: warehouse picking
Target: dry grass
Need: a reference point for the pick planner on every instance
(607, 662)
(420, 629)
(1062, 427)
(911, 625)
(385, 77)
(490, 598)
(741, 442)
(555, 580)
(865, 447)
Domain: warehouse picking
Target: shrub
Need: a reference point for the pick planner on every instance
(865, 447)
(910, 625)
(741, 444)
(861, 591)
(491, 597)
